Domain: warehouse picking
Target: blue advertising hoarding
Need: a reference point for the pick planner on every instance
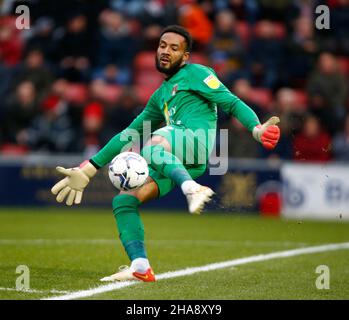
(237, 190)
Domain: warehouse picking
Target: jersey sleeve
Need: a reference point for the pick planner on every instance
(151, 114)
(207, 85)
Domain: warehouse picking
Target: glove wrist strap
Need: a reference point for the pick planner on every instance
(88, 168)
(257, 132)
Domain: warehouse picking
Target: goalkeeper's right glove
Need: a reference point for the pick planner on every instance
(73, 185)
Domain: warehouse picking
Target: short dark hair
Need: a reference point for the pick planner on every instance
(181, 31)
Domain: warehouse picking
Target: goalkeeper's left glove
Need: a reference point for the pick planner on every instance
(268, 133)
(73, 185)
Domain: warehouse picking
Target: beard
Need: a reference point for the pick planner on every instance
(172, 69)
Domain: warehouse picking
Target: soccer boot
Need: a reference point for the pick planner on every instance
(126, 274)
(197, 198)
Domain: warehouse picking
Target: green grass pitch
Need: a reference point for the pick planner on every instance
(69, 250)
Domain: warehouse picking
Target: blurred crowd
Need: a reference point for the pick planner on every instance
(85, 69)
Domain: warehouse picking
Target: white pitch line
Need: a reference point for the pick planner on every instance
(209, 267)
(152, 241)
(34, 290)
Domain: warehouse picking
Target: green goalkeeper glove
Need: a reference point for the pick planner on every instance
(73, 185)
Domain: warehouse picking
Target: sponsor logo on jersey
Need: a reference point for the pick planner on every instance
(212, 82)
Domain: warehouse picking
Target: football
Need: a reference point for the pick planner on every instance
(128, 171)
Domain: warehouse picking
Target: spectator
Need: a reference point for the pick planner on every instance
(11, 45)
(290, 113)
(313, 143)
(60, 89)
(52, 130)
(20, 111)
(123, 112)
(225, 48)
(327, 90)
(151, 36)
(291, 116)
(266, 56)
(34, 70)
(111, 74)
(302, 47)
(42, 37)
(244, 10)
(281, 10)
(73, 49)
(242, 88)
(193, 18)
(154, 12)
(6, 76)
(92, 125)
(97, 91)
(341, 143)
(340, 25)
(113, 38)
(147, 12)
(240, 144)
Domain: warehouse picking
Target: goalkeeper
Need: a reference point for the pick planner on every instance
(186, 101)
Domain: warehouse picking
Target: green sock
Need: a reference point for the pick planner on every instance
(166, 163)
(130, 226)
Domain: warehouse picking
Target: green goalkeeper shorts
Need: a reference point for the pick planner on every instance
(187, 148)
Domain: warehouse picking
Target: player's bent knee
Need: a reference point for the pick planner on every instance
(158, 140)
(151, 151)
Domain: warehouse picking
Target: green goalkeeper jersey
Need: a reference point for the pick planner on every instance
(188, 99)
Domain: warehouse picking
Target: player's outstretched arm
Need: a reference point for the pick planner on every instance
(268, 134)
(208, 85)
(76, 179)
(72, 186)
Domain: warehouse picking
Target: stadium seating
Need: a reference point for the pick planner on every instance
(151, 78)
(143, 93)
(13, 149)
(144, 60)
(244, 31)
(112, 93)
(279, 29)
(301, 98)
(344, 65)
(76, 93)
(263, 97)
(197, 57)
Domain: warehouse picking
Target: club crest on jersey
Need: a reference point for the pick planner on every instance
(174, 90)
(212, 82)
